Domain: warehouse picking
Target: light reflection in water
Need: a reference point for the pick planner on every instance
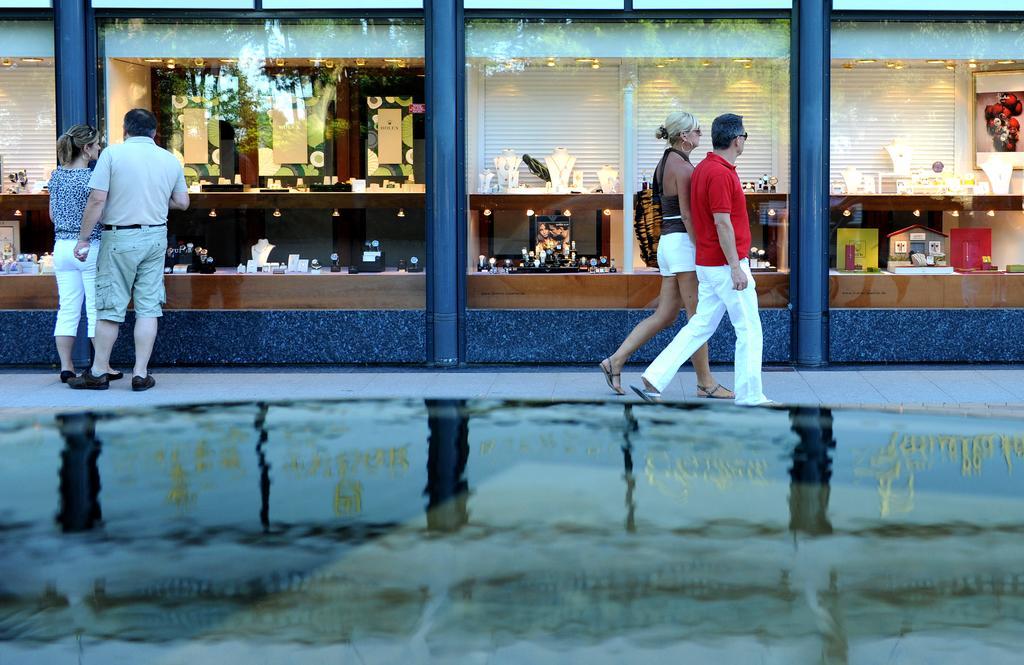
(462, 530)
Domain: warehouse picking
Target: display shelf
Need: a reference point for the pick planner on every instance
(956, 291)
(505, 202)
(257, 200)
(911, 202)
(594, 291)
(228, 290)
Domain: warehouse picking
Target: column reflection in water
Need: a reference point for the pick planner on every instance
(447, 490)
(79, 474)
(261, 456)
(629, 427)
(809, 491)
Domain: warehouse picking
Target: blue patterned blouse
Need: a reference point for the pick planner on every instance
(69, 192)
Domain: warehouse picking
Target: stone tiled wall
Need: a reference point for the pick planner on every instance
(241, 337)
(576, 336)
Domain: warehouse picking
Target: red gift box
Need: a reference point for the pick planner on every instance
(967, 246)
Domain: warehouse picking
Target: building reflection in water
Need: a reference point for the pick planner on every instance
(630, 426)
(447, 490)
(79, 474)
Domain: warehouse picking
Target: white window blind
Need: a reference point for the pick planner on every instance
(28, 127)
(760, 95)
(536, 110)
(872, 106)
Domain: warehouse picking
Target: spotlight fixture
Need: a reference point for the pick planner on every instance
(991, 213)
(360, 62)
(213, 212)
(660, 65)
(171, 64)
(607, 212)
(329, 64)
(401, 212)
(487, 212)
(596, 65)
(17, 213)
(955, 213)
(972, 65)
(898, 65)
(705, 63)
(277, 212)
(847, 213)
(6, 62)
(567, 213)
(529, 212)
(335, 213)
(747, 65)
(847, 65)
(917, 213)
(771, 212)
(279, 62)
(551, 62)
(950, 66)
(199, 62)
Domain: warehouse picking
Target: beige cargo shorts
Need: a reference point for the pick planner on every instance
(131, 267)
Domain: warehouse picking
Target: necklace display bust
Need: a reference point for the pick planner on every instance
(902, 155)
(560, 164)
(261, 251)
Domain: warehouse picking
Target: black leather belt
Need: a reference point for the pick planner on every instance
(125, 227)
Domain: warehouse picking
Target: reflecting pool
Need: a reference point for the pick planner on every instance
(510, 532)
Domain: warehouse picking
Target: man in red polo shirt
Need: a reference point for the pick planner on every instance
(718, 211)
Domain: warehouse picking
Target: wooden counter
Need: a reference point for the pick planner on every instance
(926, 291)
(229, 291)
(604, 291)
(255, 200)
(925, 203)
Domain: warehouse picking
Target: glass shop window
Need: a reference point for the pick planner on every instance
(302, 142)
(926, 159)
(562, 117)
(28, 132)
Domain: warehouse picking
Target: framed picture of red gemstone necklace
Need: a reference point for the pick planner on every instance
(998, 112)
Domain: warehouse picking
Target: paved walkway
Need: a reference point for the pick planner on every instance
(987, 389)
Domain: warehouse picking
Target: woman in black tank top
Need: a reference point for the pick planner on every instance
(679, 283)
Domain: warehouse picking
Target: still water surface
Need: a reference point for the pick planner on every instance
(487, 532)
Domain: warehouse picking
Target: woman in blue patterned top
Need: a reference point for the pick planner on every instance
(76, 280)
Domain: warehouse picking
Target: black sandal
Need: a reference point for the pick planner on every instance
(608, 376)
(709, 393)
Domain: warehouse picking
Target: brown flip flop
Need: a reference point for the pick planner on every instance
(608, 376)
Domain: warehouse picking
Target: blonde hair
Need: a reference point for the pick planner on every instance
(72, 142)
(677, 124)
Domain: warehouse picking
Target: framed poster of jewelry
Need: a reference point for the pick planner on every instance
(551, 232)
(10, 239)
(997, 115)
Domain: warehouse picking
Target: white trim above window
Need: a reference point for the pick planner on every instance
(27, 39)
(342, 4)
(173, 4)
(926, 5)
(712, 4)
(544, 4)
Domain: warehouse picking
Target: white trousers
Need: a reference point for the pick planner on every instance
(715, 297)
(76, 280)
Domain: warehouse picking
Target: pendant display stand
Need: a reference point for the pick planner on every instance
(560, 164)
(507, 166)
(999, 173)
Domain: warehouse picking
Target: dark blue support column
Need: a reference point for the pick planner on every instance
(71, 42)
(446, 217)
(811, 55)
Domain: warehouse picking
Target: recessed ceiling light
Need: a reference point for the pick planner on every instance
(866, 61)
(152, 59)
(31, 59)
(742, 60)
(936, 62)
(1005, 62)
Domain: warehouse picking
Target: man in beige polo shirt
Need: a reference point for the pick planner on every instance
(133, 186)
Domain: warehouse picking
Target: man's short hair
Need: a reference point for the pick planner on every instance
(139, 122)
(724, 129)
